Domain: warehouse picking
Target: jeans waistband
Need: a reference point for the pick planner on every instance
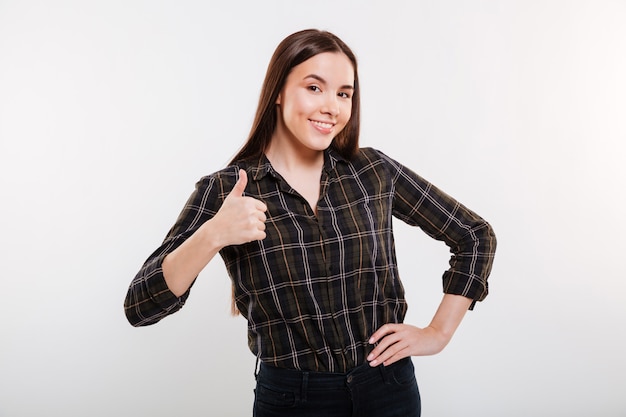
(328, 380)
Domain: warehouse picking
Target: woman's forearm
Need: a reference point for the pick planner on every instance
(449, 315)
(182, 266)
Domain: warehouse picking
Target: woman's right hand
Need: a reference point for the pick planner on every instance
(241, 219)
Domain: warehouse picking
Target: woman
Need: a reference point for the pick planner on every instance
(302, 218)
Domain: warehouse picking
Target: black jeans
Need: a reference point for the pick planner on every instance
(365, 391)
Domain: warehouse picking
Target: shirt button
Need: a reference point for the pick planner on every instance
(350, 378)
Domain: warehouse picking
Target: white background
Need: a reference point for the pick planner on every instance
(110, 111)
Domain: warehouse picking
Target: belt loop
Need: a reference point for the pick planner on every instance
(256, 369)
(385, 373)
(305, 386)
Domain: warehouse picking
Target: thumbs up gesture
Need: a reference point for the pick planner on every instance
(240, 219)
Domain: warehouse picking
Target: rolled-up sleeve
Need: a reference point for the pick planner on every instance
(470, 238)
(149, 299)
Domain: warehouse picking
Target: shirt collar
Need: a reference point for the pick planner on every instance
(264, 167)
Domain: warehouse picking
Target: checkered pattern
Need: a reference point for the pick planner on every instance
(316, 288)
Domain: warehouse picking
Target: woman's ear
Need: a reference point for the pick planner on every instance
(278, 99)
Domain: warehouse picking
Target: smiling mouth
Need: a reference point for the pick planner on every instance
(322, 125)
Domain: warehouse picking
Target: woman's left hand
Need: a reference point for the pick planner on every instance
(398, 341)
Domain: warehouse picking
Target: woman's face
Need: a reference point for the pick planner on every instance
(316, 102)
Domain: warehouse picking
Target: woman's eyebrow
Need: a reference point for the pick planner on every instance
(323, 81)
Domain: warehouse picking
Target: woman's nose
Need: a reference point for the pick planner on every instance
(331, 105)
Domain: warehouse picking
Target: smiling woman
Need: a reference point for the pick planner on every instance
(317, 94)
(313, 107)
(302, 218)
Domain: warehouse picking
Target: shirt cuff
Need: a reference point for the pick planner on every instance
(157, 287)
(471, 287)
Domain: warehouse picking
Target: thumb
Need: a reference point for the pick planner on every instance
(240, 186)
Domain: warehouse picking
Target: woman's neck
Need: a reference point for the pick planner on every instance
(301, 170)
(286, 158)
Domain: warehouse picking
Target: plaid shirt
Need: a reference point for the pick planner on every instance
(317, 287)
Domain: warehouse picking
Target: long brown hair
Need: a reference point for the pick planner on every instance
(292, 51)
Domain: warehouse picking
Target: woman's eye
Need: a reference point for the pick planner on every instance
(344, 95)
(314, 88)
